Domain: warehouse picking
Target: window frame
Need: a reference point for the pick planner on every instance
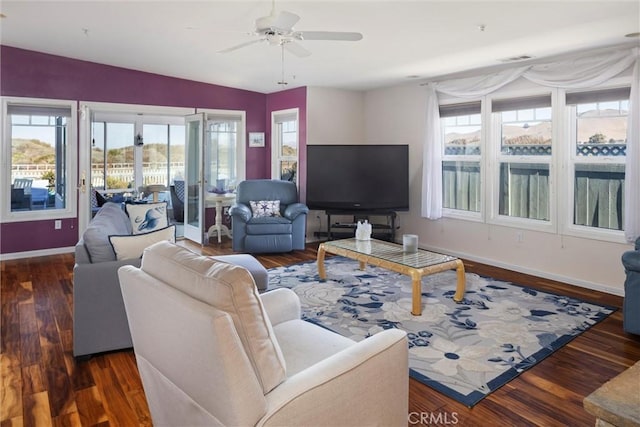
(479, 158)
(495, 158)
(70, 209)
(277, 118)
(571, 159)
(239, 116)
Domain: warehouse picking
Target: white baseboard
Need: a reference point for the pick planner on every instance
(41, 252)
(543, 274)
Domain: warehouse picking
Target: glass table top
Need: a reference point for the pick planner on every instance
(389, 251)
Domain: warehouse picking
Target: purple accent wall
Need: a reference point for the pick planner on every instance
(292, 98)
(25, 73)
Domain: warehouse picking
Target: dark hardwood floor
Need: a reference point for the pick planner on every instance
(42, 384)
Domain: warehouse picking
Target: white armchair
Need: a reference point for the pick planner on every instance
(212, 351)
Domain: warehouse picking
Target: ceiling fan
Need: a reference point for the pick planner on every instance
(277, 29)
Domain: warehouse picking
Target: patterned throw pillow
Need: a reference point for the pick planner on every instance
(147, 217)
(265, 208)
(130, 247)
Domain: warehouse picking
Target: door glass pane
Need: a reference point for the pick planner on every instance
(220, 156)
(38, 160)
(176, 152)
(192, 196)
(155, 154)
(119, 156)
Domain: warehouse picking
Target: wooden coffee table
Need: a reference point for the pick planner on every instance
(390, 256)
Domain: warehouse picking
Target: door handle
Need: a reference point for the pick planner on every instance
(83, 182)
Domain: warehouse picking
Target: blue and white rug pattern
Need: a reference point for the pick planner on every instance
(464, 350)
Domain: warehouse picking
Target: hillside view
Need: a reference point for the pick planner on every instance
(612, 128)
(33, 151)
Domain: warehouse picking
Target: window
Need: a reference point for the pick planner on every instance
(523, 135)
(461, 178)
(284, 130)
(38, 147)
(597, 160)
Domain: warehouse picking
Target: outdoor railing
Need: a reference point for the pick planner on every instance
(585, 149)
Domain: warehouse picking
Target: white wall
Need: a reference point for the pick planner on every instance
(397, 114)
(334, 116)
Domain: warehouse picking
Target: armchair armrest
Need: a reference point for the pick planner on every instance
(631, 260)
(375, 371)
(281, 305)
(294, 210)
(240, 210)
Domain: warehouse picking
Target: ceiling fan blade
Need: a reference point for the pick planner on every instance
(285, 20)
(328, 35)
(241, 45)
(296, 49)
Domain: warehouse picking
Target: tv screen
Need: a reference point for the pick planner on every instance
(358, 177)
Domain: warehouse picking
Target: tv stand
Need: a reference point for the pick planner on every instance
(343, 230)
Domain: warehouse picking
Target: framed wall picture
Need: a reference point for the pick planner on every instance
(256, 139)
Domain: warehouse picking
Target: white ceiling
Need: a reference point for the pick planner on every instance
(422, 39)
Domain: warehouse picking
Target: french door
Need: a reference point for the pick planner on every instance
(194, 185)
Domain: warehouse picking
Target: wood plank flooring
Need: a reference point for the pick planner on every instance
(42, 384)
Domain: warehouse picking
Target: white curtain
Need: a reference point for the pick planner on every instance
(432, 160)
(632, 168)
(574, 73)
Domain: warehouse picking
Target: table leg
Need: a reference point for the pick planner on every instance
(219, 220)
(321, 271)
(416, 299)
(362, 264)
(461, 285)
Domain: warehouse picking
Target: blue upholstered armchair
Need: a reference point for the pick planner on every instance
(267, 217)
(631, 305)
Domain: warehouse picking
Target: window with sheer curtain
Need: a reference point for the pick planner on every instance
(585, 72)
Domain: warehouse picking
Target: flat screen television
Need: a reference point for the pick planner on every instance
(358, 177)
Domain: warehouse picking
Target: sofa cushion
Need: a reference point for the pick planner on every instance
(229, 288)
(132, 245)
(266, 208)
(269, 225)
(147, 217)
(109, 220)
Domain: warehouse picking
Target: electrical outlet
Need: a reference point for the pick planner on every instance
(520, 236)
(57, 224)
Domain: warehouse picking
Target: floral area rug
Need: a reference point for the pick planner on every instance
(464, 350)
